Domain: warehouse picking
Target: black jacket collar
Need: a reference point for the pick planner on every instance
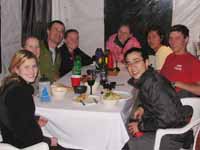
(117, 41)
(16, 81)
(138, 83)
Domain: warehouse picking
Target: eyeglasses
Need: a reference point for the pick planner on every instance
(123, 33)
(134, 62)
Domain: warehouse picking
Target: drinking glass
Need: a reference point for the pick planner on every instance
(91, 79)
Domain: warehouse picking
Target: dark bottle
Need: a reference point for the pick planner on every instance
(103, 72)
(99, 58)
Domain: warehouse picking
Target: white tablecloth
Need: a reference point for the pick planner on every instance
(90, 127)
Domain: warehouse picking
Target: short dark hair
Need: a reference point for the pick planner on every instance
(159, 31)
(69, 31)
(53, 22)
(139, 50)
(126, 24)
(180, 28)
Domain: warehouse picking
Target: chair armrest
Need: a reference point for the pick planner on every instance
(39, 146)
(5, 146)
(161, 132)
(1, 139)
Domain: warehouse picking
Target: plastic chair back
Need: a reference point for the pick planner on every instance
(195, 138)
(194, 124)
(194, 102)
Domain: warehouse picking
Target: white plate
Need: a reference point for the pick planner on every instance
(124, 96)
(89, 101)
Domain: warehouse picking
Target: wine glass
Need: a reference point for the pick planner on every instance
(91, 79)
(116, 63)
(117, 68)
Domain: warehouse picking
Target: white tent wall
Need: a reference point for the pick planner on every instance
(187, 12)
(10, 31)
(85, 15)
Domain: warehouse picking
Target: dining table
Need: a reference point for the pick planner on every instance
(94, 126)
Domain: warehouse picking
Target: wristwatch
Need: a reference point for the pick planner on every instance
(173, 84)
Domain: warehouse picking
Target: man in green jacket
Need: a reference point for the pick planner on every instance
(49, 60)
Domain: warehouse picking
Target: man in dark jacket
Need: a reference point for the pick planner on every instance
(70, 50)
(159, 106)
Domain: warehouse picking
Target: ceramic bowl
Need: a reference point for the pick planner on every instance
(58, 92)
(80, 89)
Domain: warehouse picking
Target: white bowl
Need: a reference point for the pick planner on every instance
(113, 102)
(58, 92)
(110, 103)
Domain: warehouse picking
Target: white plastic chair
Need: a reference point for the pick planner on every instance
(194, 124)
(39, 146)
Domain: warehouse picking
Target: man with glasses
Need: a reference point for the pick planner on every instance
(159, 106)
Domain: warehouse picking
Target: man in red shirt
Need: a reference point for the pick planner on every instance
(180, 67)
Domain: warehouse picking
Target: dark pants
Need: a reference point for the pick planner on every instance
(59, 147)
(146, 142)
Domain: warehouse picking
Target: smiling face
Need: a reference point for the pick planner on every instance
(136, 65)
(27, 70)
(56, 33)
(32, 44)
(154, 40)
(124, 33)
(72, 40)
(178, 42)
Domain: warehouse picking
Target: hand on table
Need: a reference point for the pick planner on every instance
(56, 77)
(42, 121)
(54, 141)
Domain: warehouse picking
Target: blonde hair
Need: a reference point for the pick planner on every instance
(19, 58)
(24, 42)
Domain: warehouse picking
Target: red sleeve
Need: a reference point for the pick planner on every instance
(196, 71)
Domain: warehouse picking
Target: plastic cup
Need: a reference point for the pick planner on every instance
(75, 80)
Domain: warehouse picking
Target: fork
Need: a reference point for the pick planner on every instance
(82, 102)
(95, 100)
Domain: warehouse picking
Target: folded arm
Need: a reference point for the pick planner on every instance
(191, 87)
